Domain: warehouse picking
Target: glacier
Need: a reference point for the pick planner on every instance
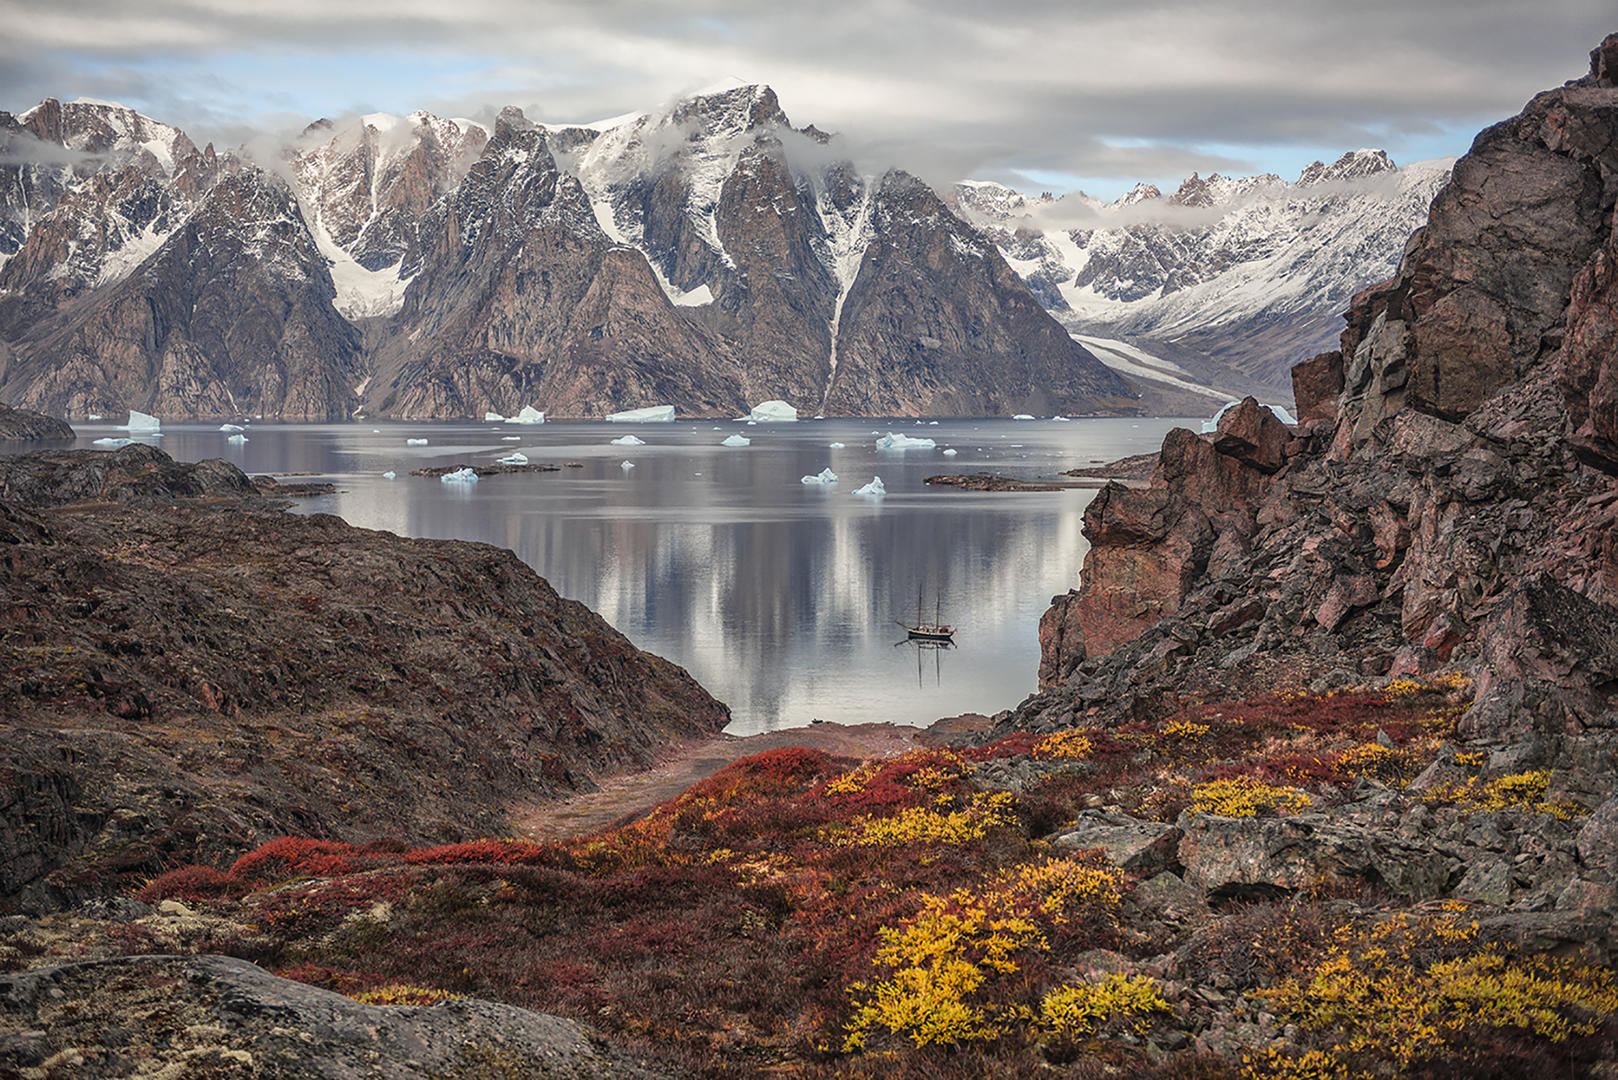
(1211, 425)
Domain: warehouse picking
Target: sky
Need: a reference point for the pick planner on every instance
(1041, 94)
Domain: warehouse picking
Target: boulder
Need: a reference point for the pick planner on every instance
(25, 426)
(1316, 383)
(1132, 844)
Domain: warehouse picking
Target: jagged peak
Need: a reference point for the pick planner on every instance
(1351, 166)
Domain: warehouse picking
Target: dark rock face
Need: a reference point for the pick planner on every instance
(23, 425)
(231, 1017)
(183, 642)
(220, 321)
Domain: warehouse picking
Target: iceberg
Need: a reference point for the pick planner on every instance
(515, 458)
(493, 418)
(874, 488)
(834, 446)
(824, 476)
(415, 442)
(1211, 425)
(93, 416)
(890, 441)
(772, 412)
(529, 415)
(628, 440)
(1062, 419)
(462, 475)
(736, 440)
(626, 466)
(511, 438)
(237, 439)
(950, 452)
(231, 427)
(389, 475)
(1022, 416)
(652, 414)
(141, 423)
(112, 443)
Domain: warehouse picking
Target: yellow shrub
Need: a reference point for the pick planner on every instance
(1378, 762)
(1074, 1012)
(925, 825)
(1184, 730)
(402, 994)
(1064, 746)
(1242, 796)
(1524, 790)
(1061, 887)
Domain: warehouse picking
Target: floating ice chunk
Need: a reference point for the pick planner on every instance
(950, 452)
(652, 414)
(736, 440)
(415, 442)
(835, 446)
(141, 423)
(237, 439)
(93, 416)
(874, 489)
(389, 475)
(376, 431)
(511, 438)
(493, 418)
(460, 476)
(1211, 425)
(1022, 416)
(774, 411)
(231, 427)
(824, 476)
(890, 441)
(112, 443)
(529, 415)
(628, 440)
(932, 423)
(626, 466)
(515, 458)
(1062, 419)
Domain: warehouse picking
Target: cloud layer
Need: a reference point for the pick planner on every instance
(1029, 88)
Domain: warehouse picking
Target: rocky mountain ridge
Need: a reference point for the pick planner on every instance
(1233, 279)
(686, 256)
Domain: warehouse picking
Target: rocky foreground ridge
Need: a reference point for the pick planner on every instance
(704, 255)
(191, 670)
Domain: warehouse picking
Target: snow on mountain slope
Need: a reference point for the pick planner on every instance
(1220, 259)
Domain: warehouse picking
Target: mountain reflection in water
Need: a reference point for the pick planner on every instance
(778, 596)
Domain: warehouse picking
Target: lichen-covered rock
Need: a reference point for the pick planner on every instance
(25, 426)
(1132, 844)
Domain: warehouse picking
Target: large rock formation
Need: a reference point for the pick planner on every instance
(22, 425)
(191, 673)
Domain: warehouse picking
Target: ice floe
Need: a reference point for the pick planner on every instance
(951, 452)
(231, 427)
(874, 488)
(460, 476)
(93, 416)
(237, 439)
(890, 441)
(835, 446)
(626, 466)
(1022, 416)
(517, 458)
(736, 440)
(824, 476)
(493, 418)
(628, 440)
(529, 415)
(389, 475)
(651, 414)
(141, 424)
(112, 443)
(774, 411)
(415, 442)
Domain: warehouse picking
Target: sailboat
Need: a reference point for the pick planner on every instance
(937, 630)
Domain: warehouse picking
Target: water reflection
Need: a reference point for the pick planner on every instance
(778, 596)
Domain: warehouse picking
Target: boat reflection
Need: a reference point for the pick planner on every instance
(924, 646)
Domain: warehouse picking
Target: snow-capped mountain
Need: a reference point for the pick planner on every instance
(1236, 278)
(706, 255)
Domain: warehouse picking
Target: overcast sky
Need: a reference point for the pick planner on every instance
(1054, 94)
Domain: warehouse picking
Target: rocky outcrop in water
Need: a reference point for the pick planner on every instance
(193, 672)
(22, 425)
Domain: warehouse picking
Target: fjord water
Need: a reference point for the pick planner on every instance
(778, 596)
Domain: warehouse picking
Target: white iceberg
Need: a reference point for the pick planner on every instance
(628, 440)
(141, 423)
(652, 414)
(511, 438)
(389, 475)
(231, 427)
(415, 442)
(237, 439)
(493, 418)
(772, 412)
(835, 446)
(1211, 425)
(950, 452)
(460, 476)
(736, 440)
(516, 458)
(824, 476)
(1022, 416)
(1063, 419)
(529, 415)
(890, 441)
(112, 443)
(93, 416)
(626, 466)
(875, 488)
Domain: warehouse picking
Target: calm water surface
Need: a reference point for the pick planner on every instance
(778, 596)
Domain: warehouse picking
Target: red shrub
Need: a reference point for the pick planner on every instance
(516, 852)
(188, 883)
(294, 856)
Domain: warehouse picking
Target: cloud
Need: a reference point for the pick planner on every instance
(944, 87)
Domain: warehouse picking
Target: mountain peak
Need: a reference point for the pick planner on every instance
(1351, 166)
